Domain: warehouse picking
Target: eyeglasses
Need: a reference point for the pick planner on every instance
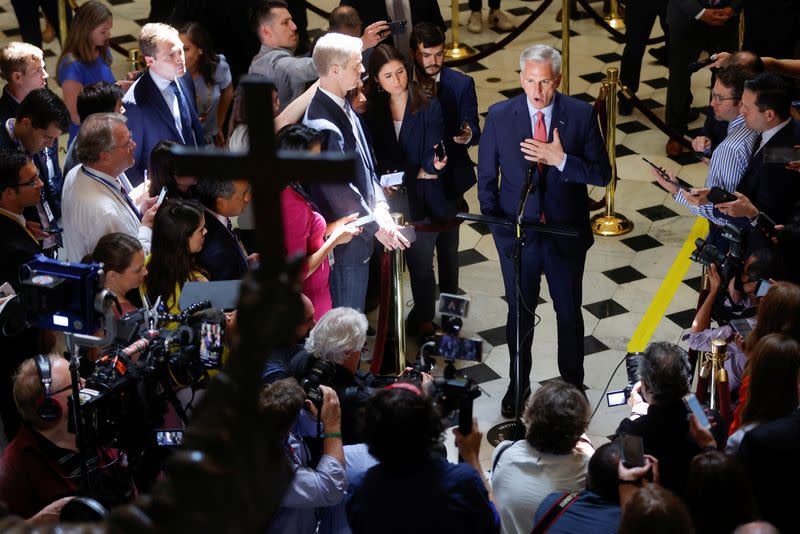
(36, 182)
(127, 145)
(719, 99)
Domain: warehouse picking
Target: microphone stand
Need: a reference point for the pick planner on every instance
(514, 430)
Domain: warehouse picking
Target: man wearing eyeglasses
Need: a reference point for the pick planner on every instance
(20, 188)
(41, 118)
(729, 160)
(160, 104)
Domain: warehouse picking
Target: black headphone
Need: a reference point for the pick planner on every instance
(47, 409)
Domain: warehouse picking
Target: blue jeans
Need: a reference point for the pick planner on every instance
(349, 285)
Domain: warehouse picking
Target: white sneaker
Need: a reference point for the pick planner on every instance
(475, 22)
(499, 21)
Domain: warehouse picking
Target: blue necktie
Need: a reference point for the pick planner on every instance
(186, 118)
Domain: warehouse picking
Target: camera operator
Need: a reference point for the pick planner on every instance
(553, 456)
(337, 340)
(321, 486)
(658, 414)
(759, 265)
(403, 431)
(42, 462)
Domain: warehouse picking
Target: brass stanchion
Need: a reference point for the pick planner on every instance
(611, 223)
(134, 59)
(565, 16)
(613, 19)
(398, 266)
(741, 30)
(62, 21)
(454, 49)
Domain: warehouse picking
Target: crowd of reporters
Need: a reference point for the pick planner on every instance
(358, 448)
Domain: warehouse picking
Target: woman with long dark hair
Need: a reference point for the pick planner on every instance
(406, 126)
(86, 57)
(179, 230)
(212, 81)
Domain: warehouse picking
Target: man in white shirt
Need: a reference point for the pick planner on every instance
(96, 200)
(161, 103)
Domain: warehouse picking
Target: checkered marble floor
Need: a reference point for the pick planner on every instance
(622, 274)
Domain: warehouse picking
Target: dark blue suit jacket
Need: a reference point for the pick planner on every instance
(359, 194)
(150, 121)
(8, 106)
(53, 183)
(459, 102)
(562, 196)
(221, 255)
(414, 149)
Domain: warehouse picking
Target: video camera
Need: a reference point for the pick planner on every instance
(729, 266)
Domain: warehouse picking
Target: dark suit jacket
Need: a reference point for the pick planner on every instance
(772, 188)
(374, 10)
(459, 103)
(53, 184)
(691, 8)
(769, 455)
(337, 200)
(150, 121)
(8, 106)
(562, 196)
(419, 132)
(221, 255)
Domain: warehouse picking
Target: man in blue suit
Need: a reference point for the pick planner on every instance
(456, 94)
(222, 256)
(555, 138)
(160, 104)
(337, 58)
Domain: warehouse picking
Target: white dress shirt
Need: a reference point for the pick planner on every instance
(90, 210)
(172, 102)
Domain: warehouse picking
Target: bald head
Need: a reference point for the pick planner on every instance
(756, 527)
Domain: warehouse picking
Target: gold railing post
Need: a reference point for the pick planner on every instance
(611, 223)
(134, 59)
(741, 29)
(61, 6)
(565, 16)
(398, 266)
(454, 49)
(613, 19)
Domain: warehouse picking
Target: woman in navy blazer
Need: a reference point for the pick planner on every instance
(406, 124)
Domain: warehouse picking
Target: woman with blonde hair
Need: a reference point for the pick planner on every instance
(86, 57)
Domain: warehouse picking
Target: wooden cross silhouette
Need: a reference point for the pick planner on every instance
(269, 170)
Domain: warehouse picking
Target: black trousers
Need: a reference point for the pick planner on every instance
(27, 12)
(476, 5)
(640, 15)
(563, 270)
(419, 258)
(688, 38)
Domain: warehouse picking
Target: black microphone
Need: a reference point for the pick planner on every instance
(697, 65)
(527, 188)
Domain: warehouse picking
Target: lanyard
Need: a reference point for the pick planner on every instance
(116, 190)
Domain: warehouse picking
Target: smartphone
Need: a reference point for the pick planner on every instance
(762, 286)
(456, 305)
(52, 230)
(169, 438)
(162, 195)
(693, 405)
(459, 348)
(398, 26)
(766, 225)
(616, 398)
(780, 155)
(743, 327)
(663, 173)
(631, 450)
(211, 344)
(361, 221)
(440, 151)
(717, 195)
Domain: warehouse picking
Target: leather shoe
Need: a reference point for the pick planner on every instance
(674, 148)
(475, 23)
(507, 404)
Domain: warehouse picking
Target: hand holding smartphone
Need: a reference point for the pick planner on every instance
(631, 450)
(693, 405)
(663, 173)
(162, 195)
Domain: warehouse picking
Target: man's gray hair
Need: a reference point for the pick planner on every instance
(334, 49)
(541, 54)
(666, 371)
(338, 332)
(210, 188)
(97, 135)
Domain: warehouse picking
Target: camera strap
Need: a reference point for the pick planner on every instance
(500, 453)
(559, 507)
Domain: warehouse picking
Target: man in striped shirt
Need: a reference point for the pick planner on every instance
(729, 160)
